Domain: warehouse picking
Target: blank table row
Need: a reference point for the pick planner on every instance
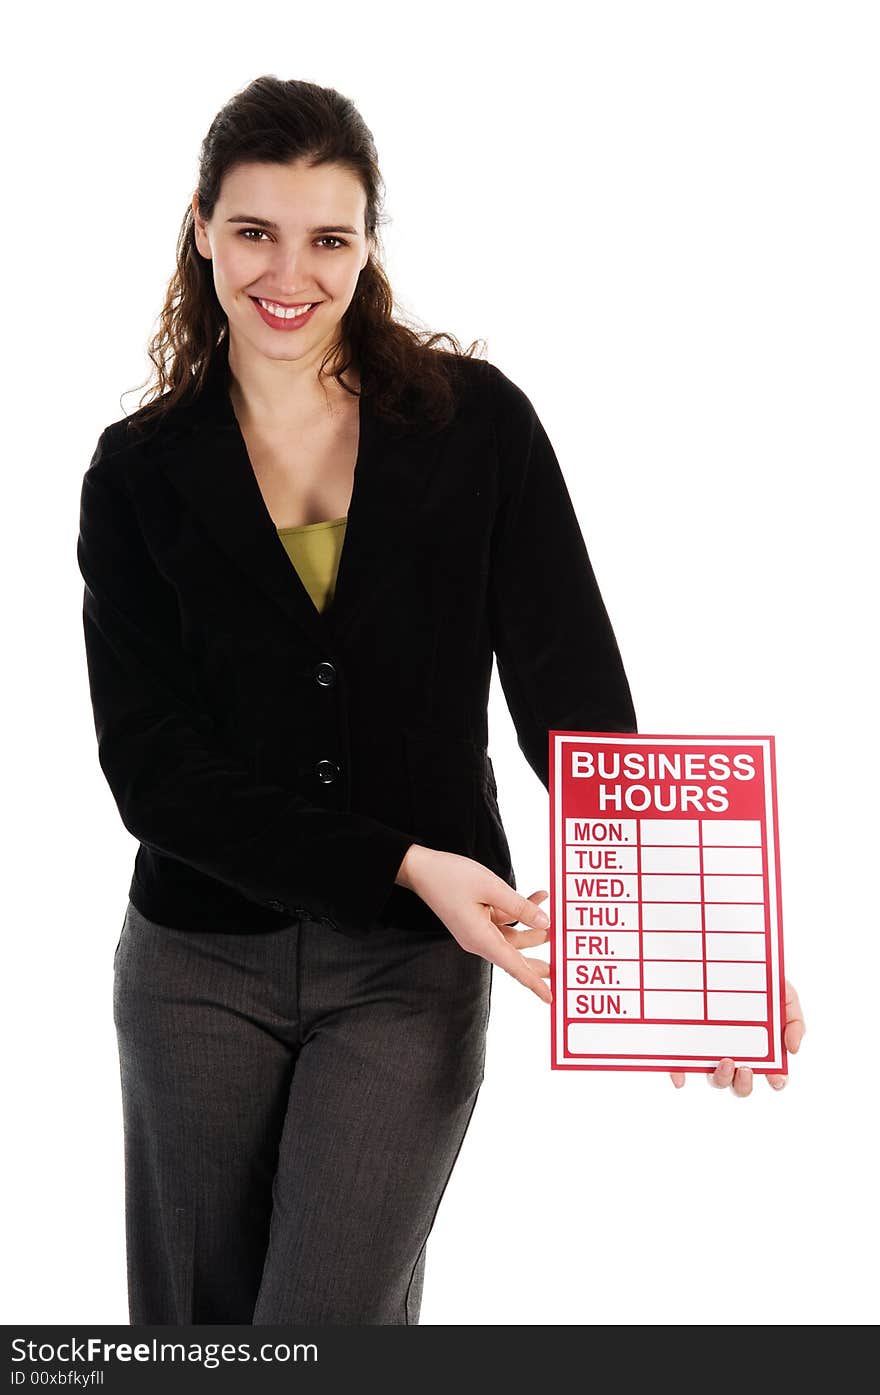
(691, 1007)
(666, 973)
(623, 915)
(629, 944)
(582, 859)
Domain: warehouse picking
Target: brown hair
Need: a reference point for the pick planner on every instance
(402, 369)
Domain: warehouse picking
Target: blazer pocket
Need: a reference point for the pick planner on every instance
(444, 780)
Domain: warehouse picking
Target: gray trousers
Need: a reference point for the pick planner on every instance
(293, 1105)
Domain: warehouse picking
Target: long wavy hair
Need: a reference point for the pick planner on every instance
(404, 370)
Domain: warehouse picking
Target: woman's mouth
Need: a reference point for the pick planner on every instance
(282, 318)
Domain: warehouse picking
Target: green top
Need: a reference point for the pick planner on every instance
(315, 549)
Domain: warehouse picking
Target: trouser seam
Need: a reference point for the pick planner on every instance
(437, 1207)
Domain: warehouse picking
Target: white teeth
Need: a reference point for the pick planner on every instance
(284, 313)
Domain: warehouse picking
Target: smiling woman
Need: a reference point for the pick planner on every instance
(300, 557)
(285, 272)
(287, 214)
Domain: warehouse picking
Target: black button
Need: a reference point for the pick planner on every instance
(276, 905)
(326, 771)
(325, 673)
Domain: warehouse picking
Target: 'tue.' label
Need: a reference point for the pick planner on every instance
(666, 947)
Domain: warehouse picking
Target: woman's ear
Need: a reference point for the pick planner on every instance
(201, 236)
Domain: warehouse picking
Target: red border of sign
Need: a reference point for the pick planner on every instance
(681, 1064)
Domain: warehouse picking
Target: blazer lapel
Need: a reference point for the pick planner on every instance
(206, 459)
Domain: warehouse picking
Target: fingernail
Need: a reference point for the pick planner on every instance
(542, 920)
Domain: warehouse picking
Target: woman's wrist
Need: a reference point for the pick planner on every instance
(407, 869)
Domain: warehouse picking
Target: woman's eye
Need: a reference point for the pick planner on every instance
(245, 233)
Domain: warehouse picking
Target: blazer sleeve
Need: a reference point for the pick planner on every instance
(177, 791)
(558, 659)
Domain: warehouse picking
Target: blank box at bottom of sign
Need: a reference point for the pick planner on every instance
(661, 1039)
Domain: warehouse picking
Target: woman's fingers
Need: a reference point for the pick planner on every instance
(722, 1076)
(795, 1026)
(518, 966)
(526, 970)
(524, 939)
(502, 918)
(742, 1082)
(500, 947)
(510, 908)
(539, 966)
(727, 1074)
(471, 900)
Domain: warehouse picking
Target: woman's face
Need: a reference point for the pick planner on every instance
(289, 234)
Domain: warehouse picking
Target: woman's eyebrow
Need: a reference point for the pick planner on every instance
(267, 223)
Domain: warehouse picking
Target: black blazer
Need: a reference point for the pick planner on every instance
(275, 762)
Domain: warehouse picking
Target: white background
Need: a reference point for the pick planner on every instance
(665, 224)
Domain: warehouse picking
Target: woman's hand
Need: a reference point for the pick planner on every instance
(739, 1079)
(477, 908)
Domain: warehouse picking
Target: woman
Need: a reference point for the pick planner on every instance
(299, 558)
